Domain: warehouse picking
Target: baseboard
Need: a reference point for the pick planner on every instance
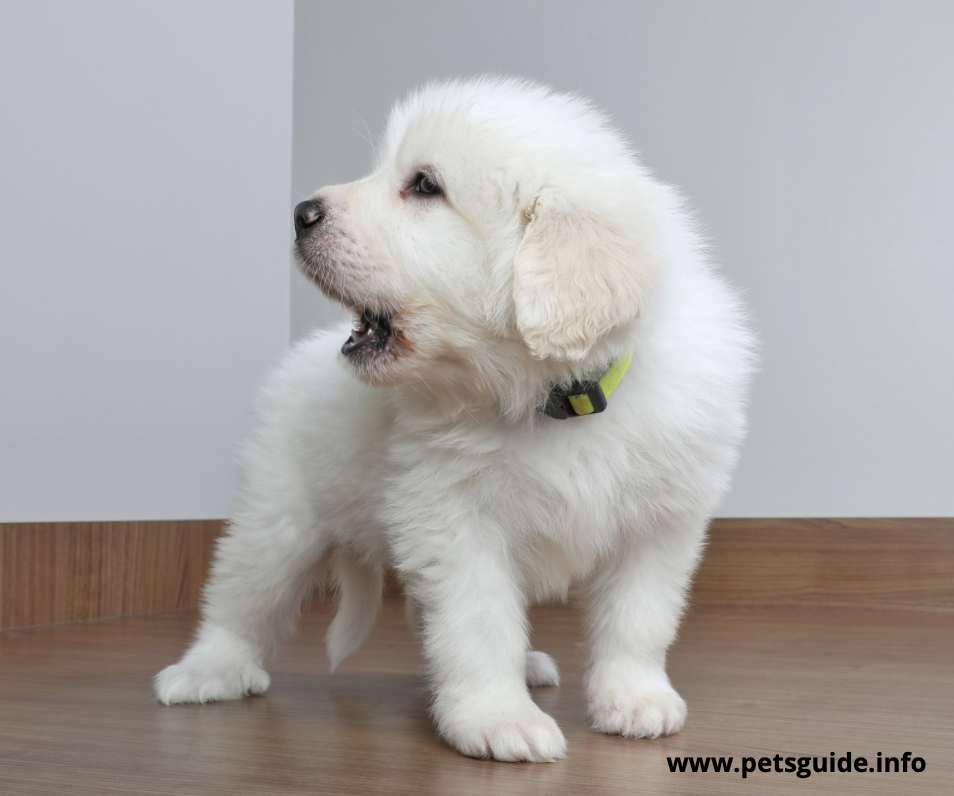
(875, 564)
(67, 572)
(64, 572)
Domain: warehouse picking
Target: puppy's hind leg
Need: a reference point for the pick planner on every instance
(265, 566)
(541, 670)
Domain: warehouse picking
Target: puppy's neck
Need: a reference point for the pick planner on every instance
(504, 385)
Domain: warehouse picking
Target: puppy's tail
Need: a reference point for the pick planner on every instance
(360, 585)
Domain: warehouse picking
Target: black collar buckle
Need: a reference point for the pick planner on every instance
(560, 407)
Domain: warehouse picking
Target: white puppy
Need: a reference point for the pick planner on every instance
(506, 244)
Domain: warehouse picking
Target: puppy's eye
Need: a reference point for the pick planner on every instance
(426, 185)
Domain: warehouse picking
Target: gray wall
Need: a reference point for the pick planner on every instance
(815, 139)
(145, 160)
(145, 228)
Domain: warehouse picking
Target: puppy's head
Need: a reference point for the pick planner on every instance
(504, 239)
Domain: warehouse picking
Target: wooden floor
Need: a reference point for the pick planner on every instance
(77, 716)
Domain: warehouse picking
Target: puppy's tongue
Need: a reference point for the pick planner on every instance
(370, 330)
(359, 337)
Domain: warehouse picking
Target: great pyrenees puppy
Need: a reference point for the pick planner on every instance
(541, 396)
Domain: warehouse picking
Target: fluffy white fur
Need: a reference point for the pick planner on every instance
(550, 253)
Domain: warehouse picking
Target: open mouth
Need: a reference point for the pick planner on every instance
(371, 331)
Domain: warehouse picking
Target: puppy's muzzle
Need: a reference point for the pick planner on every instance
(308, 214)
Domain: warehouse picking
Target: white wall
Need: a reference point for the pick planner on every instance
(145, 151)
(816, 140)
(144, 224)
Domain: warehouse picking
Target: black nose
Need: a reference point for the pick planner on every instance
(307, 214)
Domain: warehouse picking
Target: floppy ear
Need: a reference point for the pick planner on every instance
(577, 276)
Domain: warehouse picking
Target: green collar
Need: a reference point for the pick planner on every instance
(586, 397)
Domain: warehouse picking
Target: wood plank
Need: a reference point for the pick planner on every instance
(875, 564)
(62, 572)
(65, 572)
(78, 715)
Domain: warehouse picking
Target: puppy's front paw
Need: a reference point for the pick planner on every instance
(220, 666)
(513, 733)
(541, 670)
(645, 712)
(198, 682)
